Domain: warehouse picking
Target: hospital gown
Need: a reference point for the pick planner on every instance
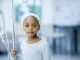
(37, 51)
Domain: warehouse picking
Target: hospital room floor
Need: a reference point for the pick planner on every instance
(55, 57)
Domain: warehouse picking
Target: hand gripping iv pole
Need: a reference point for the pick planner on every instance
(3, 31)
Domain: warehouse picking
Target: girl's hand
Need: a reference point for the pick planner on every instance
(13, 53)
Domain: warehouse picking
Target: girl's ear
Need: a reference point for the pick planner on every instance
(39, 28)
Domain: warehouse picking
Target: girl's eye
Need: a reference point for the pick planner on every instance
(34, 25)
(26, 25)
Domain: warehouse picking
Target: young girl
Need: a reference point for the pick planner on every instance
(34, 48)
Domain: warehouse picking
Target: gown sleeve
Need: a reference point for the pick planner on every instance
(46, 52)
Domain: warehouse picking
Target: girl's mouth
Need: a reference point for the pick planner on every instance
(30, 32)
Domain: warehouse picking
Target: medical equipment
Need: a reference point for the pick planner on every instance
(3, 34)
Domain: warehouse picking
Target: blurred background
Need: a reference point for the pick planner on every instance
(60, 26)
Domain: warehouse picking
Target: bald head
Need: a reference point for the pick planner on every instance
(32, 18)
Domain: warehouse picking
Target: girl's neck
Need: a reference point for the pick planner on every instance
(34, 38)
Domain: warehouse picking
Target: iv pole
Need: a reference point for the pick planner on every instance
(13, 21)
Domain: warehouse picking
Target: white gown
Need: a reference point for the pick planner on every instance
(37, 51)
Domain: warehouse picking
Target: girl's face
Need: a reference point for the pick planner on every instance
(31, 26)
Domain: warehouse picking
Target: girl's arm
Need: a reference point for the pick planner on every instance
(46, 53)
(14, 55)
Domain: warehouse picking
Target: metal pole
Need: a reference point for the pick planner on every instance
(13, 21)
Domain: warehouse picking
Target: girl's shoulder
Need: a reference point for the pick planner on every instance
(45, 43)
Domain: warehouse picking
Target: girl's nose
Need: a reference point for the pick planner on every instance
(31, 28)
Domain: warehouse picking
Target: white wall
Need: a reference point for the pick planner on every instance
(47, 12)
(67, 12)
